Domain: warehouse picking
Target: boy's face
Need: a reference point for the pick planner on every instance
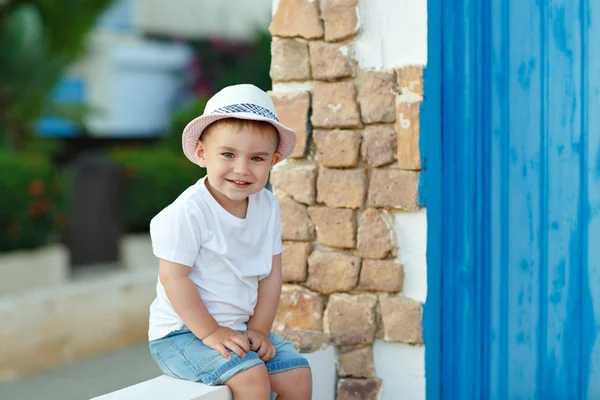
(237, 162)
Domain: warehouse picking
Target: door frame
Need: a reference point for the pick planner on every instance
(454, 116)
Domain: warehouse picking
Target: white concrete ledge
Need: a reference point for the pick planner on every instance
(165, 387)
(322, 363)
(31, 269)
(74, 320)
(136, 252)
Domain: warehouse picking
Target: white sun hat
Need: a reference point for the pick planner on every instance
(242, 102)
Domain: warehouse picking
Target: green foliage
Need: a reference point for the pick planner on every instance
(32, 204)
(153, 178)
(184, 115)
(38, 42)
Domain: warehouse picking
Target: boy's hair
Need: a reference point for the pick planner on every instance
(237, 125)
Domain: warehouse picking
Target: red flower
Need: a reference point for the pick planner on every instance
(40, 207)
(35, 188)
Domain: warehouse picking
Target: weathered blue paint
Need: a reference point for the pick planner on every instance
(518, 249)
(430, 187)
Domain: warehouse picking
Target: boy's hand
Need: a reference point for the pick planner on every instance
(225, 338)
(261, 344)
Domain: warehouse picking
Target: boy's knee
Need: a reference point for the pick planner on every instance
(254, 380)
(304, 379)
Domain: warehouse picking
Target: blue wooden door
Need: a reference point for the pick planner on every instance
(514, 204)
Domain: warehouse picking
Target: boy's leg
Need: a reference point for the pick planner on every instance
(293, 384)
(289, 371)
(182, 355)
(251, 384)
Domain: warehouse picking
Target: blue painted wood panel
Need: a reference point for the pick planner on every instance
(517, 253)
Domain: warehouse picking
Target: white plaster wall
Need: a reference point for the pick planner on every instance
(393, 33)
(402, 366)
(402, 370)
(411, 239)
(324, 372)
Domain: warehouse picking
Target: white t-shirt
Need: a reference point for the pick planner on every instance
(227, 255)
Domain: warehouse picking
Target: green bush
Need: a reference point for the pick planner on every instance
(153, 178)
(32, 203)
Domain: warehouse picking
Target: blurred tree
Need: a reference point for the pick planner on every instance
(219, 63)
(39, 40)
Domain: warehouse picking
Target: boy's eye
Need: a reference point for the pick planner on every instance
(228, 155)
(257, 158)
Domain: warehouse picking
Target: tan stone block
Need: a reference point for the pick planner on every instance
(330, 272)
(289, 60)
(307, 341)
(292, 110)
(297, 18)
(377, 96)
(374, 237)
(401, 319)
(299, 309)
(342, 188)
(337, 148)
(359, 389)
(334, 105)
(392, 188)
(295, 223)
(356, 363)
(410, 79)
(341, 18)
(330, 61)
(295, 260)
(408, 127)
(298, 180)
(350, 319)
(381, 276)
(336, 227)
(379, 145)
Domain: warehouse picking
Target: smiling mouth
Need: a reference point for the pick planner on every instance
(239, 183)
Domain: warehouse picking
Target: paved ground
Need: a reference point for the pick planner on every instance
(86, 379)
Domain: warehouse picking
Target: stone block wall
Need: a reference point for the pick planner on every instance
(355, 167)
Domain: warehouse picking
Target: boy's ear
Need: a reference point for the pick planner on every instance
(276, 158)
(200, 154)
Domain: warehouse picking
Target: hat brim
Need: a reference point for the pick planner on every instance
(193, 131)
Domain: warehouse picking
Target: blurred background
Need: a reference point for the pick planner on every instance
(94, 95)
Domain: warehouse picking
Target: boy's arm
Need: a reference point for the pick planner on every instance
(269, 291)
(188, 305)
(185, 299)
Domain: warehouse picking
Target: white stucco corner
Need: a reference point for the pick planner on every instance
(286, 87)
(411, 237)
(401, 368)
(393, 34)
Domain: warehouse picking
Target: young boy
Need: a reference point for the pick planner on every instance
(219, 245)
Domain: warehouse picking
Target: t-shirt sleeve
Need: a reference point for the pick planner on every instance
(176, 234)
(276, 220)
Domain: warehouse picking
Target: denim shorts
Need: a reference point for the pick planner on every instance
(182, 355)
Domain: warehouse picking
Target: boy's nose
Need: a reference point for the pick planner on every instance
(241, 167)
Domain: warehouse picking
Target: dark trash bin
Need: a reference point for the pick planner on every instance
(94, 228)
